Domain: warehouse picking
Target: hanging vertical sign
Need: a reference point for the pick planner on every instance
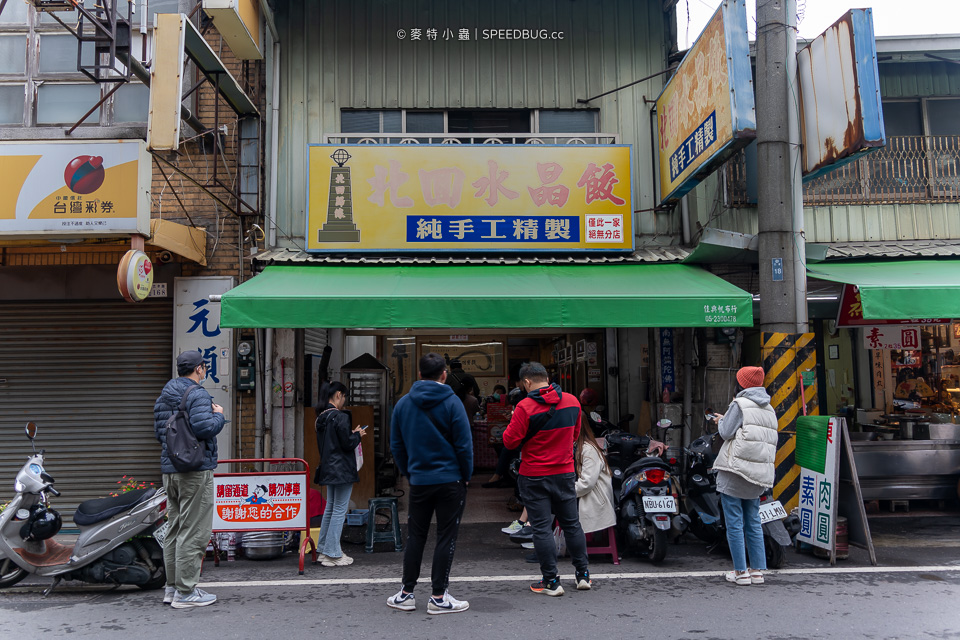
(196, 326)
(668, 376)
(706, 111)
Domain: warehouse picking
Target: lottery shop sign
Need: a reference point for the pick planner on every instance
(260, 501)
(83, 188)
(491, 198)
(850, 314)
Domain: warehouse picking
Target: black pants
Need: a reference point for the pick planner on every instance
(546, 497)
(504, 458)
(447, 500)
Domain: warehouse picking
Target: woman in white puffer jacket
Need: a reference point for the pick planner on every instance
(745, 469)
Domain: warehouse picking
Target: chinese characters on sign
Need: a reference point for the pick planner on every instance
(720, 313)
(80, 188)
(818, 457)
(435, 197)
(891, 337)
(706, 111)
(258, 501)
(668, 376)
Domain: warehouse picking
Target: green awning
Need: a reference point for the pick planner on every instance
(485, 296)
(900, 289)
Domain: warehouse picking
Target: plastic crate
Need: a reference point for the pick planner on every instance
(357, 517)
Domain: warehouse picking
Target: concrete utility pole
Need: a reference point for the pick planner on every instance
(783, 278)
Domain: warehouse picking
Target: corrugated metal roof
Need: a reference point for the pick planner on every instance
(903, 249)
(643, 254)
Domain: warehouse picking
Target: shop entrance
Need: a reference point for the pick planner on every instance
(380, 366)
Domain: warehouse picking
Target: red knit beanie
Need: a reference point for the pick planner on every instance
(750, 377)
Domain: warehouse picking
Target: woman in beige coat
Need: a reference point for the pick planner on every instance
(594, 489)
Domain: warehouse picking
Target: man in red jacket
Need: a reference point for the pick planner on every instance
(544, 426)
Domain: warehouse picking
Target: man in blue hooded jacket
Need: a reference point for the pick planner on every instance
(432, 445)
(189, 493)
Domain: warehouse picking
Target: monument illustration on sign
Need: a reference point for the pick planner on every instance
(339, 226)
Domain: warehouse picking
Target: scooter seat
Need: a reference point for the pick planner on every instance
(100, 509)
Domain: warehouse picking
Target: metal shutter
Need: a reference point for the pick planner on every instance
(88, 374)
(314, 340)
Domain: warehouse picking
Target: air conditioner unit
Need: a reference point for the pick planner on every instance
(238, 21)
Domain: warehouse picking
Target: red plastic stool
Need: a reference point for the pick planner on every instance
(609, 548)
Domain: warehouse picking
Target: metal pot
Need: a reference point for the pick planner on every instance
(262, 545)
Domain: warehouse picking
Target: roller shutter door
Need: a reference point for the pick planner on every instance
(88, 374)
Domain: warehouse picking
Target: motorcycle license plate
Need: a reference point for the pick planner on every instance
(659, 504)
(160, 533)
(772, 511)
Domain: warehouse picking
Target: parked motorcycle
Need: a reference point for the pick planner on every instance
(120, 538)
(602, 426)
(646, 494)
(701, 503)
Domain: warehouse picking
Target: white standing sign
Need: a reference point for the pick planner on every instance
(260, 501)
(196, 327)
(818, 456)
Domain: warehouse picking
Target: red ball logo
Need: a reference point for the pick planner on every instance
(84, 174)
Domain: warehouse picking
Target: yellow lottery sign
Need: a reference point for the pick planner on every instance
(469, 197)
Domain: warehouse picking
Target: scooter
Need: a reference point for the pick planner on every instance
(702, 504)
(646, 494)
(120, 538)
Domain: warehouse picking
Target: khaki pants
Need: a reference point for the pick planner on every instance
(190, 514)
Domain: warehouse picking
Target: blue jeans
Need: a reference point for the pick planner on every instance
(338, 499)
(742, 519)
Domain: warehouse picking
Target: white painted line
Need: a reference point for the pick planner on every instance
(660, 575)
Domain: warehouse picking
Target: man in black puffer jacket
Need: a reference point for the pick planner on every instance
(190, 493)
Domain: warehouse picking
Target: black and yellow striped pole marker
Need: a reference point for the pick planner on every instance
(786, 356)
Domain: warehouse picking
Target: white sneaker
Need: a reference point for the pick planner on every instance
(342, 561)
(402, 601)
(513, 527)
(168, 594)
(196, 598)
(527, 545)
(447, 604)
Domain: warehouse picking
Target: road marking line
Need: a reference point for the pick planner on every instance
(597, 576)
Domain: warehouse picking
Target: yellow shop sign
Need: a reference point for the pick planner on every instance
(442, 198)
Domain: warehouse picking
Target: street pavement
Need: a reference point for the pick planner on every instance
(912, 594)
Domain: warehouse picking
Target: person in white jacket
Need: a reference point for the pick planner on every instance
(594, 488)
(745, 469)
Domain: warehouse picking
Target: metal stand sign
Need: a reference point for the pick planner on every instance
(819, 443)
(253, 501)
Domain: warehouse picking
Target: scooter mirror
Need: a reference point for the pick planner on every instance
(595, 416)
(31, 430)
(664, 424)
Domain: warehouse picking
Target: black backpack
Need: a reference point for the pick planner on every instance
(184, 450)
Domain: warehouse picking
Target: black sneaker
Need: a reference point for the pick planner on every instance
(584, 582)
(551, 588)
(525, 534)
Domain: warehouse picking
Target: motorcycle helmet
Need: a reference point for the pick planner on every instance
(42, 524)
(515, 396)
(589, 397)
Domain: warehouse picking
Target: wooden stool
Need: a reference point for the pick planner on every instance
(393, 535)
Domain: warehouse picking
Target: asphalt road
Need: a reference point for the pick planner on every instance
(913, 594)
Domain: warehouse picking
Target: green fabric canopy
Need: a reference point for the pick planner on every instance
(485, 296)
(901, 289)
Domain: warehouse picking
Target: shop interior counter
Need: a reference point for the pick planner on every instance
(909, 469)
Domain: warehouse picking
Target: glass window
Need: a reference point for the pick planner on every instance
(131, 103)
(13, 54)
(489, 121)
(58, 54)
(360, 122)
(11, 104)
(568, 121)
(162, 6)
(65, 103)
(902, 119)
(424, 122)
(14, 13)
(944, 117)
(392, 121)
